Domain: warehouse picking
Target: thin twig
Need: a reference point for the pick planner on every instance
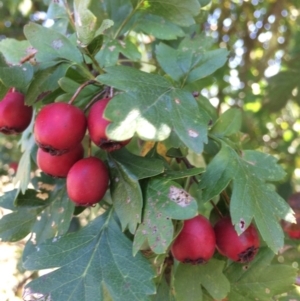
(80, 88)
(216, 208)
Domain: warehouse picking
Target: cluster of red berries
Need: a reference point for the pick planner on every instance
(198, 239)
(59, 129)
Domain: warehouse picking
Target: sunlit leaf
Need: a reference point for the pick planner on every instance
(152, 107)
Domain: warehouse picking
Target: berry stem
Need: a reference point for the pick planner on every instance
(102, 94)
(89, 147)
(29, 56)
(216, 208)
(80, 88)
(226, 197)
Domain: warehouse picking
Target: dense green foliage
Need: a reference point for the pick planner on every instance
(208, 92)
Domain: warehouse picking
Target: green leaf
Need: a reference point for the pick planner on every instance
(8, 198)
(139, 167)
(179, 174)
(229, 123)
(97, 260)
(252, 197)
(158, 27)
(192, 60)
(163, 292)
(204, 2)
(126, 195)
(260, 164)
(259, 279)
(165, 200)
(280, 88)
(126, 169)
(52, 222)
(51, 45)
(109, 53)
(118, 11)
(18, 224)
(23, 176)
(166, 57)
(13, 50)
(189, 280)
(152, 107)
(45, 82)
(210, 62)
(107, 23)
(176, 11)
(85, 22)
(17, 76)
(29, 199)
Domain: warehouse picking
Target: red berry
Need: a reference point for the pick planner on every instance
(87, 181)
(59, 166)
(196, 242)
(59, 127)
(241, 248)
(15, 116)
(97, 125)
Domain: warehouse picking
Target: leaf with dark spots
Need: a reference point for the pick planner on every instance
(165, 200)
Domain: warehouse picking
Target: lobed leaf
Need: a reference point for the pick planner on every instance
(259, 279)
(251, 196)
(152, 107)
(189, 281)
(192, 60)
(93, 263)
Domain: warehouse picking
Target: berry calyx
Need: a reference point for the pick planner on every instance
(97, 125)
(59, 166)
(87, 181)
(15, 116)
(240, 248)
(59, 127)
(196, 242)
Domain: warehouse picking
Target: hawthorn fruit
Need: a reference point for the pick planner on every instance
(87, 181)
(240, 248)
(97, 125)
(59, 127)
(15, 115)
(196, 241)
(59, 166)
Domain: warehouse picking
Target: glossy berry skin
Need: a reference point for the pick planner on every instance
(87, 181)
(59, 166)
(196, 242)
(59, 127)
(97, 125)
(240, 248)
(15, 116)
